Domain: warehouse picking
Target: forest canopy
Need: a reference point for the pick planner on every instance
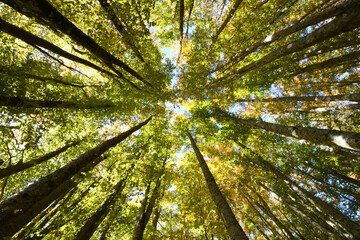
(180, 119)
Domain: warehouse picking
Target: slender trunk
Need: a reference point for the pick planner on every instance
(227, 19)
(335, 173)
(354, 97)
(189, 17)
(46, 188)
(309, 215)
(120, 28)
(347, 21)
(4, 69)
(98, 216)
(260, 229)
(326, 14)
(145, 210)
(346, 59)
(61, 220)
(24, 102)
(44, 12)
(181, 25)
(22, 166)
(265, 208)
(35, 41)
(49, 212)
(351, 226)
(348, 140)
(232, 225)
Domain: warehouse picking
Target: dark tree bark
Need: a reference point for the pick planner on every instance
(347, 21)
(352, 227)
(4, 69)
(22, 166)
(24, 102)
(35, 41)
(227, 19)
(146, 208)
(232, 225)
(189, 17)
(98, 216)
(120, 28)
(37, 196)
(354, 97)
(181, 24)
(301, 24)
(348, 140)
(46, 14)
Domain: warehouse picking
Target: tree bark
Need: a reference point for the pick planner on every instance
(232, 225)
(227, 19)
(22, 166)
(44, 12)
(98, 216)
(24, 102)
(46, 188)
(352, 227)
(326, 14)
(347, 21)
(348, 140)
(120, 28)
(35, 41)
(354, 97)
(145, 210)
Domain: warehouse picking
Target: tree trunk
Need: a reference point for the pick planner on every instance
(98, 216)
(120, 28)
(24, 102)
(354, 97)
(145, 210)
(232, 225)
(35, 41)
(45, 13)
(347, 21)
(188, 18)
(351, 226)
(19, 209)
(348, 140)
(227, 19)
(326, 14)
(22, 166)
(265, 208)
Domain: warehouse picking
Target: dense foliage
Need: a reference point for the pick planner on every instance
(179, 119)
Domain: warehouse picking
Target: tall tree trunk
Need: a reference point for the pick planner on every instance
(120, 28)
(326, 14)
(192, 3)
(22, 166)
(354, 97)
(347, 21)
(232, 225)
(309, 215)
(348, 140)
(266, 209)
(181, 24)
(227, 19)
(98, 216)
(147, 206)
(47, 213)
(45, 13)
(351, 226)
(35, 41)
(24, 102)
(50, 187)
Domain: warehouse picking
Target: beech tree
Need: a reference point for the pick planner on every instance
(253, 105)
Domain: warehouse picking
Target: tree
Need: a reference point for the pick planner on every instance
(270, 89)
